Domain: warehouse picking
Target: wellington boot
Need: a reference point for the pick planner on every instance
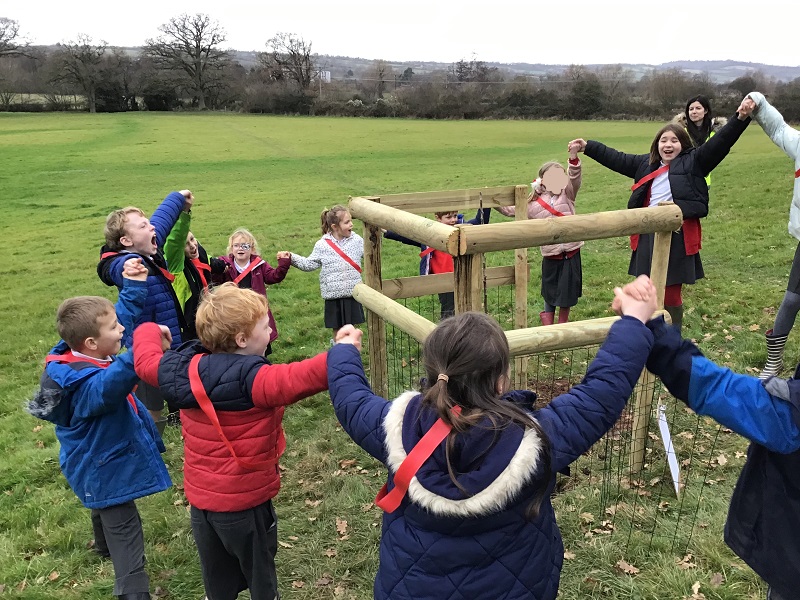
(775, 346)
(547, 318)
(563, 314)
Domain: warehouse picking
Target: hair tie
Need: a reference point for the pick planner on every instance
(443, 377)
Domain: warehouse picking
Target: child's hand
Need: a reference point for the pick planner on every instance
(638, 299)
(283, 254)
(573, 148)
(188, 200)
(579, 145)
(166, 337)
(349, 335)
(133, 268)
(746, 108)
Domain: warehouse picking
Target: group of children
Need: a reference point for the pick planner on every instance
(471, 464)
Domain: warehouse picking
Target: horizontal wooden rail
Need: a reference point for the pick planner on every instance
(539, 232)
(424, 285)
(426, 231)
(460, 200)
(398, 315)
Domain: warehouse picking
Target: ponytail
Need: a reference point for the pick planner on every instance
(331, 217)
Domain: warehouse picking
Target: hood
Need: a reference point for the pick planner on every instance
(493, 466)
(717, 123)
(51, 402)
(104, 266)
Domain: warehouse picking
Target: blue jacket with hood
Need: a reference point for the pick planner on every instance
(109, 453)
(162, 305)
(442, 544)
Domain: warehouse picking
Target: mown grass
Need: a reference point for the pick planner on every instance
(62, 174)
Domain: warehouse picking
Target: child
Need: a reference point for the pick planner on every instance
(231, 402)
(553, 195)
(244, 267)
(188, 262)
(476, 519)
(788, 140)
(433, 261)
(109, 445)
(128, 233)
(338, 254)
(674, 171)
(763, 526)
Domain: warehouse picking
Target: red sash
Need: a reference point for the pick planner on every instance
(425, 252)
(389, 501)
(201, 266)
(257, 261)
(71, 358)
(208, 409)
(167, 275)
(549, 208)
(344, 256)
(650, 177)
(797, 174)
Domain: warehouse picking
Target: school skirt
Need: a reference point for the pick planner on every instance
(343, 311)
(562, 280)
(681, 268)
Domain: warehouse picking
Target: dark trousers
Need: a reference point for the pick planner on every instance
(119, 530)
(237, 551)
(448, 302)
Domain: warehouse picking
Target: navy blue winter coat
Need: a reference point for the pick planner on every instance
(109, 453)
(444, 545)
(162, 304)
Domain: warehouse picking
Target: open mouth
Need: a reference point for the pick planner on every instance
(154, 241)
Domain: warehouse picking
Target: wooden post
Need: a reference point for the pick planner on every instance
(643, 404)
(398, 315)
(376, 327)
(521, 287)
(468, 281)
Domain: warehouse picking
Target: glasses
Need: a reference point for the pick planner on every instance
(244, 246)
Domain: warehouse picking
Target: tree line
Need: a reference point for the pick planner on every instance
(187, 67)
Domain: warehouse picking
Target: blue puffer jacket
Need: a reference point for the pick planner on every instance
(162, 304)
(109, 453)
(444, 545)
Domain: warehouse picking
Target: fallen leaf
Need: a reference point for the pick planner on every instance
(37, 429)
(323, 581)
(586, 517)
(754, 327)
(717, 579)
(285, 545)
(330, 552)
(367, 507)
(349, 462)
(313, 503)
(298, 584)
(341, 526)
(568, 555)
(686, 562)
(626, 568)
(722, 460)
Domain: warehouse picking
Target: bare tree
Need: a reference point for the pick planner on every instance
(11, 43)
(288, 57)
(191, 44)
(79, 63)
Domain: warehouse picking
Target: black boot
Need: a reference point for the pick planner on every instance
(135, 596)
(676, 314)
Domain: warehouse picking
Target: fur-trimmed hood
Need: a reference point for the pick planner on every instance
(492, 466)
(717, 123)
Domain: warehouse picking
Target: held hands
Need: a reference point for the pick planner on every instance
(133, 268)
(349, 335)
(166, 338)
(578, 145)
(188, 200)
(746, 108)
(637, 299)
(283, 254)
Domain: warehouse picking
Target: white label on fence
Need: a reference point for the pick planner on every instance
(672, 459)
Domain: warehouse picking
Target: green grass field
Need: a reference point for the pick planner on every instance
(62, 174)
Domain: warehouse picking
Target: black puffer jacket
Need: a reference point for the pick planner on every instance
(686, 171)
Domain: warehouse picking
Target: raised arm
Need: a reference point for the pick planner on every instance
(360, 412)
(710, 154)
(107, 390)
(396, 237)
(739, 402)
(279, 385)
(782, 135)
(174, 247)
(167, 213)
(310, 263)
(622, 163)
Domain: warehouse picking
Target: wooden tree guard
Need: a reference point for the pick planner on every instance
(376, 326)
(521, 286)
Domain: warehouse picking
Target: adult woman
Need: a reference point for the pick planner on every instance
(699, 123)
(673, 171)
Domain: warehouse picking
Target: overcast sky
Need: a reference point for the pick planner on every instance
(532, 31)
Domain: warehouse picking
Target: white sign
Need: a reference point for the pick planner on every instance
(672, 459)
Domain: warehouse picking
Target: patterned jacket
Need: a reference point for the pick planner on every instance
(337, 278)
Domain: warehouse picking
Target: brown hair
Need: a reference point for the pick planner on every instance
(471, 350)
(225, 312)
(680, 133)
(440, 214)
(76, 319)
(331, 217)
(548, 165)
(115, 226)
(248, 238)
